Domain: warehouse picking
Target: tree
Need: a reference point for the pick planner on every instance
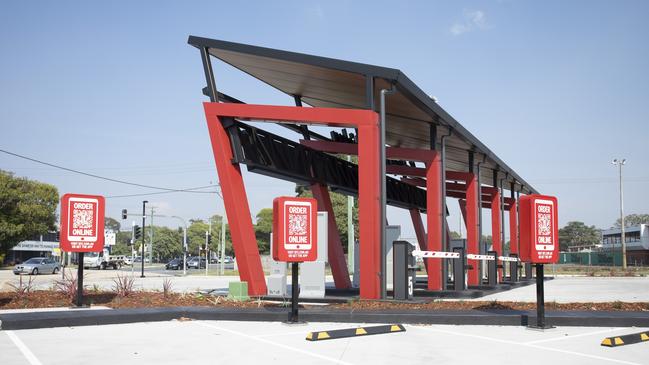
(112, 224)
(633, 220)
(27, 209)
(263, 228)
(168, 243)
(577, 234)
(455, 235)
(196, 235)
(216, 235)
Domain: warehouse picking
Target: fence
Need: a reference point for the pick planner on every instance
(592, 258)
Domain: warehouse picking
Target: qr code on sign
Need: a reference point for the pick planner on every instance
(544, 225)
(82, 218)
(297, 224)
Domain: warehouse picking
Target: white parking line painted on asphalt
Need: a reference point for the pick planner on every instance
(572, 336)
(31, 358)
(308, 353)
(525, 345)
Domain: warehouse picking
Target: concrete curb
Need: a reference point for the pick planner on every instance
(16, 321)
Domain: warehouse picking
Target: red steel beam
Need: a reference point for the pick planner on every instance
(496, 238)
(472, 229)
(434, 218)
(513, 228)
(393, 153)
(235, 200)
(368, 165)
(335, 251)
(405, 170)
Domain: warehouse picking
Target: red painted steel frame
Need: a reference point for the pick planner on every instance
(472, 229)
(513, 228)
(335, 247)
(434, 216)
(243, 238)
(496, 237)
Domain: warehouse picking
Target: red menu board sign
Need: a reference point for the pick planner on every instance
(539, 229)
(295, 229)
(82, 223)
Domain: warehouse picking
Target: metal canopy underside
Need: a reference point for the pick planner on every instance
(327, 82)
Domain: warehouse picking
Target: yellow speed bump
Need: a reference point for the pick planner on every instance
(626, 339)
(354, 332)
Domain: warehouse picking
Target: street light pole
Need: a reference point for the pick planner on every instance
(223, 244)
(620, 163)
(143, 234)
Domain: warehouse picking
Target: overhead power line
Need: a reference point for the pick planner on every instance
(167, 190)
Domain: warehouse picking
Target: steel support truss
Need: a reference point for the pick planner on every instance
(220, 116)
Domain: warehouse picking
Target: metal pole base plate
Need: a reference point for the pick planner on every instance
(535, 327)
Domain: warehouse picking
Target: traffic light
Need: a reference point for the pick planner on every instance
(58, 236)
(209, 240)
(124, 214)
(137, 232)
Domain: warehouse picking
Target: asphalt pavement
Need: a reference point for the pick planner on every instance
(209, 342)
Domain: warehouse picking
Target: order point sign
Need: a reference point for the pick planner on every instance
(295, 229)
(82, 223)
(539, 229)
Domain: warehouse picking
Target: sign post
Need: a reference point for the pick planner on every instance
(82, 229)
(539, 242)
(295, 239)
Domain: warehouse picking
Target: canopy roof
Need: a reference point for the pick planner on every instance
(328, 82)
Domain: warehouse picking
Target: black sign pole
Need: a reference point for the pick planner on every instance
(293, 314)
(540, 300)
(80, 281)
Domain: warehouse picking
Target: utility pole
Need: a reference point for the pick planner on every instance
(143, 232)
(620, 163)
(223, 244)
(151, 239)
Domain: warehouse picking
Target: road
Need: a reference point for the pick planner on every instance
(154, 277)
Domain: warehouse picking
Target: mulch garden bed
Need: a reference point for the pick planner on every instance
(137, 299)
(492, 305)
(152, 299)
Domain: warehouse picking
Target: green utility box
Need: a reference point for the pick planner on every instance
(238, 290)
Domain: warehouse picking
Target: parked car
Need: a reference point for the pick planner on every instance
(228, 260)
(128, 260)
(37, 265)
(175, 264)
(192, 263)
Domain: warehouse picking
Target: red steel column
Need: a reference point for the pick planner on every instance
(369, 210)
(334, 245)
(496, 239)
(513, 227)
(434, 218)
(244, 241)
(472, 229)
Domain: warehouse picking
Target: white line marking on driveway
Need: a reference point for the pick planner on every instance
(572, 336)
(526, 345)
(336, 361)
(31, 358)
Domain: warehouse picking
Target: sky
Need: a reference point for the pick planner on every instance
(556, 89)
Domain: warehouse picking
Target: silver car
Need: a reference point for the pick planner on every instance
(37, 265)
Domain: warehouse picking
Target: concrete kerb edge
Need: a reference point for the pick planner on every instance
(17, 321)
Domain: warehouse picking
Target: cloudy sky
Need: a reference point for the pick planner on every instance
(556, 88)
